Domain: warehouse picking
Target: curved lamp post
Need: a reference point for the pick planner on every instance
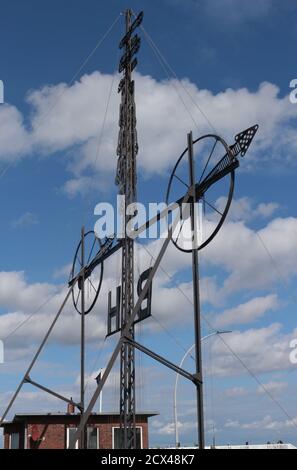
(177, 443)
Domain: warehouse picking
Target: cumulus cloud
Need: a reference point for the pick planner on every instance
(63, 271)
(25, 220)
(272, 387)
(262, 350)
(17, 293)
(15, 140)
(266, 209)
(169, 428)
(251, 259)
(248, 312)
(80, 185)
(268, 423)
(69, 119)
(232, 424)
(238, 252)
(29, 308)
(236, 392)
(245, 209)
(255, 259)
(236, 249)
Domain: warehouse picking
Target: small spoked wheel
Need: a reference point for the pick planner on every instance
(93, 281)
(212, 195)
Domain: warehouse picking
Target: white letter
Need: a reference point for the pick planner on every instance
(160, 227)
(293, 354)
(104, 227)
(138, 213)
(1, 92)
(1, 352)
(293, 94)
(120, 216)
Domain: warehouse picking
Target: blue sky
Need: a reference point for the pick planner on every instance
(236, 60)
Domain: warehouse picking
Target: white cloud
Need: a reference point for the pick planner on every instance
(42, 300)
(81, 185)
(269, 423)
(15, 141)
(236, 392)
(262, 350)
(272, 387)
(267, 210)
(17, 293)
(247, 312)
(21, 299)
(169, 428)
(244, 209)
(63, 271)
(64, 116)
(25, 220)
(250, 259)
(69, 119)
(231, 424)
(244, 260)
(240, 252)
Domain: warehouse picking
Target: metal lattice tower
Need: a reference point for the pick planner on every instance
(126, 180)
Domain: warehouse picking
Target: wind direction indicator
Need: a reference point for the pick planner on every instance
(203, 174)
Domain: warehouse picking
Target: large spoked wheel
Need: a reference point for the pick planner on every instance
(93, 282)
(212, 203)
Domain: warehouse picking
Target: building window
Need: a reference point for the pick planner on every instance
(118, 438)
(70, 435)
(92, 438)
(15, 440)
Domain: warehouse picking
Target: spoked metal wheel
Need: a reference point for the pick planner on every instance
(93, 282)
(213, 191)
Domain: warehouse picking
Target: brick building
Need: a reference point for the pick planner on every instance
(54, 430)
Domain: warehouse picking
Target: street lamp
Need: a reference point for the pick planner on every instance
(177, 443)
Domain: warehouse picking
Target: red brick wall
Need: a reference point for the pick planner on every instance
(145, 436)
(105, 435)
(52, 434)
(6, 441)
(49, 436)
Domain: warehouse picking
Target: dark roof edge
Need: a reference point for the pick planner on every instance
(23, 416)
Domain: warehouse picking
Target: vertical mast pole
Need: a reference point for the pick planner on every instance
(196, 295)
(126, 180)
(127, 411)
(82, 351)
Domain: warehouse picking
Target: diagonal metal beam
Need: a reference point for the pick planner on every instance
(99, 258)
(27, 373)
(164, 361)
(51, 392)
(200, 189)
